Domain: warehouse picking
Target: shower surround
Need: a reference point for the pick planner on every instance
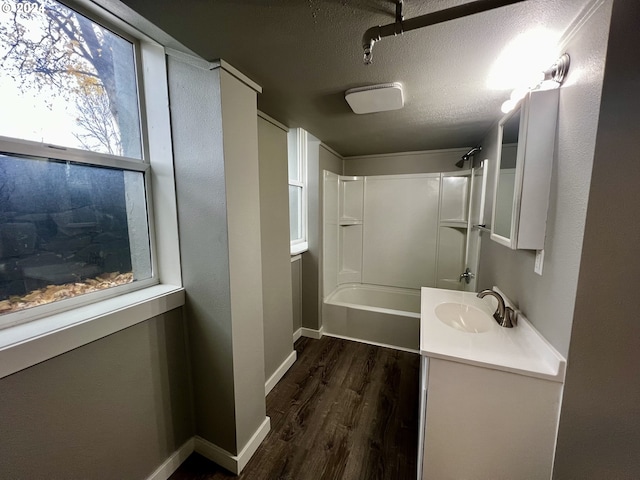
(384, 238)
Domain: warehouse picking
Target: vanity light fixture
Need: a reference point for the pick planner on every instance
(549, 79)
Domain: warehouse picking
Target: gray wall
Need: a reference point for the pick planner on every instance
(296, 289)
(600, 420)
(217, 185)
(433, 161)
(548, 300)
(114, 408)
(242, 178)
(319, 159)
(274, 232)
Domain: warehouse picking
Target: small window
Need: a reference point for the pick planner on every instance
(297, 147)
(73, 187)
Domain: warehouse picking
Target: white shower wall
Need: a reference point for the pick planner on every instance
(453, 228)
(403, 231)
(400, 230)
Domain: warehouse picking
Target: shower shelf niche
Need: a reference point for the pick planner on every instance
(454, 223)
(345, 222)
(350, 225)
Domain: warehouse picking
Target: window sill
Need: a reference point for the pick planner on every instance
(27, 344)
(299, 248)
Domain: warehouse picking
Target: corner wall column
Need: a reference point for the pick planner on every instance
(215, 139)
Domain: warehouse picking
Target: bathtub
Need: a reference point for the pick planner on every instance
(385, 316)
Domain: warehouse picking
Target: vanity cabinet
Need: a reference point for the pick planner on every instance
(526, 139)
(489, 401)
(484, 424)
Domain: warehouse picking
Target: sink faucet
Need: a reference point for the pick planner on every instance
(505, 316)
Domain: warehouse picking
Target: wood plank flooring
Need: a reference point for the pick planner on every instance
(344, 411)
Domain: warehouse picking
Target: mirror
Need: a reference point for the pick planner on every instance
(525, 141)
(506, 179)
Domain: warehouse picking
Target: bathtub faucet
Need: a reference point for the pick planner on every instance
(505, 316)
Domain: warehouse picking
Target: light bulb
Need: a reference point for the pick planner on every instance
(508, 106)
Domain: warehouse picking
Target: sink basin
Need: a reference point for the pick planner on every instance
(464, 317)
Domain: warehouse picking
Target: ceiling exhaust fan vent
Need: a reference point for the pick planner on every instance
(375, 98)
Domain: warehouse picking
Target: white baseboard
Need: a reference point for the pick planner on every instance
(297, 334)
(377, 344)
(172, 463)
(233, 463)
(279, 373)
(311, 333)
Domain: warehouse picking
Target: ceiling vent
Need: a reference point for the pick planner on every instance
(375, 98)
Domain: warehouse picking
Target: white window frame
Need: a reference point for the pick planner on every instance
(40, 333)
(298, 152)
(31, 149)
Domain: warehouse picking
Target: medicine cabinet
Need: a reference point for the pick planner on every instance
(526, 138)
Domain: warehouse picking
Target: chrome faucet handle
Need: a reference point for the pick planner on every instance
(510, 318)
(466, 276)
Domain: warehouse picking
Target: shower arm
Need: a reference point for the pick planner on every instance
(375, 34)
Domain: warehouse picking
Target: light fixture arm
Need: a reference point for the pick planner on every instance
(375, 34)
(558, 70)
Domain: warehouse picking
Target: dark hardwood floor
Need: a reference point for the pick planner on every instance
(345, 410)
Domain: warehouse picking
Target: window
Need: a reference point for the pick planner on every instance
(297, 139)
(74, 216)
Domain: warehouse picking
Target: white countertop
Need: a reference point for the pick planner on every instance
(520, 350)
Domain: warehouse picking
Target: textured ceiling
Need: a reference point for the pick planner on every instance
(306, 53)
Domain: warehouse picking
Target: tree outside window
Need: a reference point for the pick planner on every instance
(67, 80)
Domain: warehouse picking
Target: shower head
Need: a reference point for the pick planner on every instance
(468, 155)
